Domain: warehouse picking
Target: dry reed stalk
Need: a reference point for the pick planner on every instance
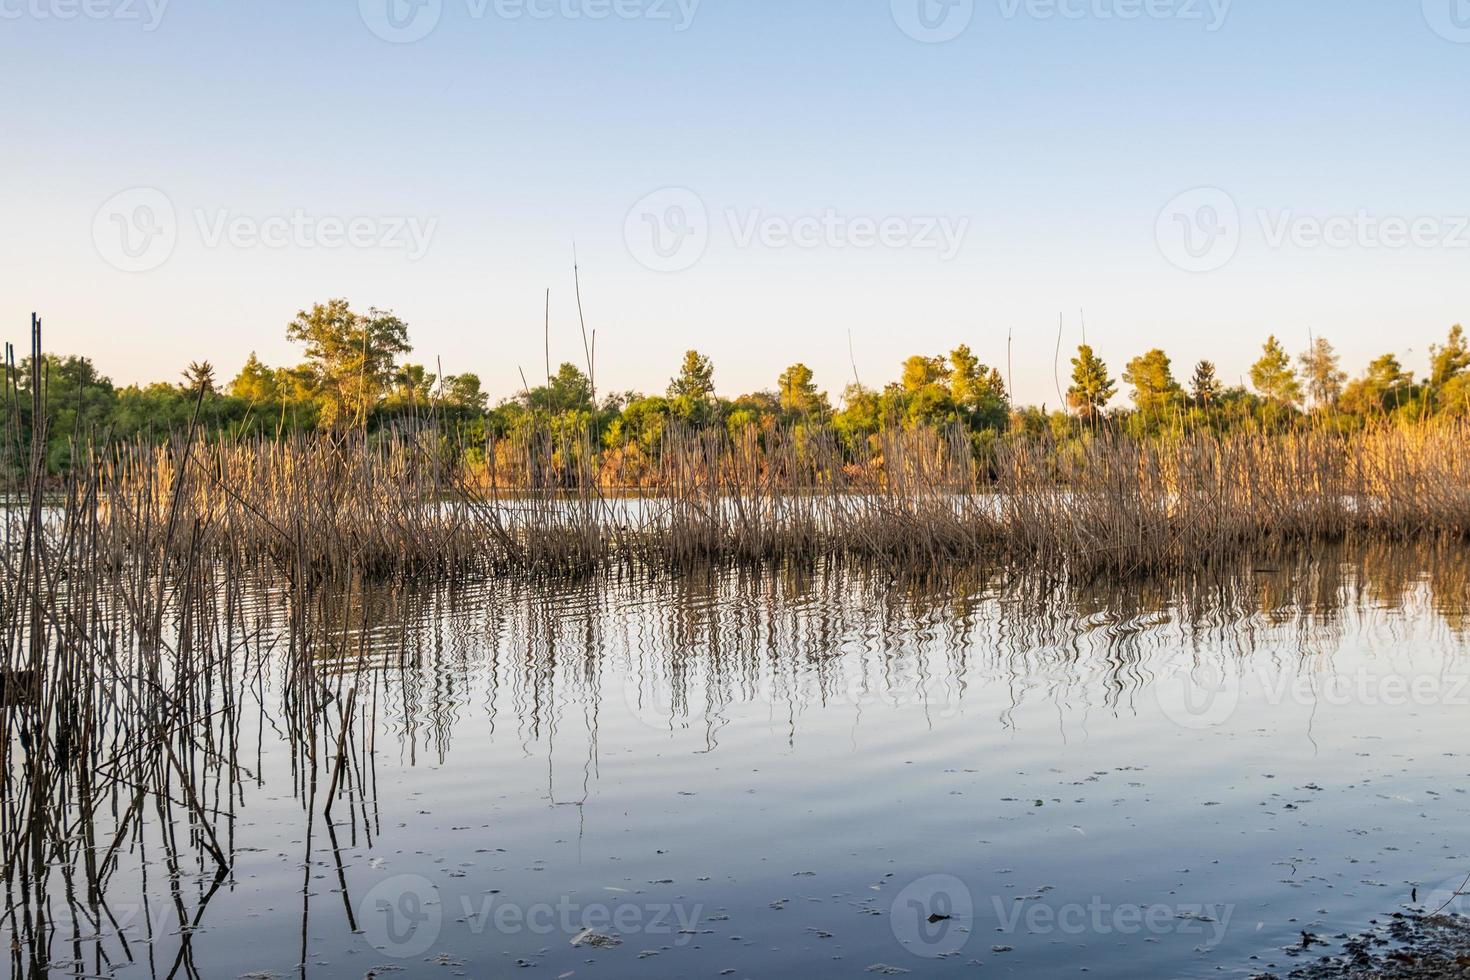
(406, 505)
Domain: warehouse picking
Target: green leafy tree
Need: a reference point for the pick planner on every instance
(349, 358)
(861, 416)
(78, 402)
(978, 391)
(696, 378)
(413, 387)
(1454, 398)
(1324, 376)
(1450, 361)
(919, 372)
(1091, 389)
(759, 409)
(255, 382)
(568, 392)
(798, 392)
(463, 391)
(642, 423)
(1384, 388)
(1152, 378)
(1273, 376)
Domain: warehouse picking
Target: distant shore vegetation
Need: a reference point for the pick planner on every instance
(357, 374)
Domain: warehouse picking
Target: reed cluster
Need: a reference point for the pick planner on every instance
(410, 503)
(133, 652)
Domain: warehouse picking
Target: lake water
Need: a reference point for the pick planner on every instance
(833, 772)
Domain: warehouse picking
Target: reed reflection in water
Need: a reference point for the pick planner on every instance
(765, 762)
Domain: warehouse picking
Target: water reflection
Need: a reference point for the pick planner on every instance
(371, 729)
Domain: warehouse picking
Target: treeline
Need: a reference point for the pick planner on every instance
(355, 376)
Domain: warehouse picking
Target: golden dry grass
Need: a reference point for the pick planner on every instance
(400, 505)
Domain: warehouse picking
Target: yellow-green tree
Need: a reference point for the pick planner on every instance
(919, 372)
(1152, 378)
(696, 378)
(1273, 376)
(349, 358)
(1449, 361)
(798, 391)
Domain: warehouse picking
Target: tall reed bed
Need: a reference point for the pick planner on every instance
(133, 643)
(553, 504)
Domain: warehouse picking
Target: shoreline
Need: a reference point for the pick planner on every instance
(1409, 944)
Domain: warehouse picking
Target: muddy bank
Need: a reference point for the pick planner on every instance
(1405, 945)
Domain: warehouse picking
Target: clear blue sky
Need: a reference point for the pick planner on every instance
(1058, 138)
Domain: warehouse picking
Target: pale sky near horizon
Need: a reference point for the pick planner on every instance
(757, 180)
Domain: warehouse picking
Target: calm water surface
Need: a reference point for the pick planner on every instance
(793, 773)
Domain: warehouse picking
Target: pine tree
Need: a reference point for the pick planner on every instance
(1091, 389)
(696, 378)
(1273, 376)
(1204, 387)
